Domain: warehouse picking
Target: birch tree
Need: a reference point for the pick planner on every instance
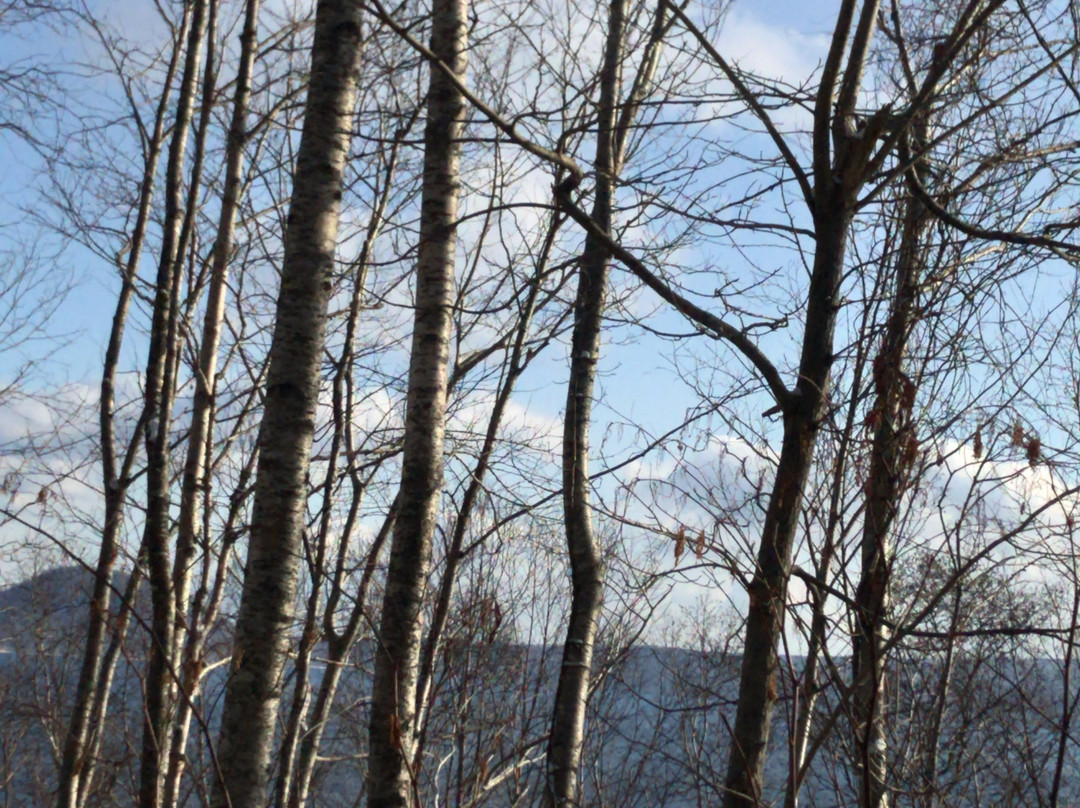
(390, 779)
(117, 465)
(285, 437)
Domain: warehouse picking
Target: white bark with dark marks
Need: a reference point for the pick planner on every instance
(285, 437)
(390, 781)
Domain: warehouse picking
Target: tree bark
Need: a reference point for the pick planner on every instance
(159, 400)
(302, 737)
(891, 456)
(567, 735)
(272, 569)
(614, 123)
(390, 780)
(841, 152)
(194, 482)
(75, 764)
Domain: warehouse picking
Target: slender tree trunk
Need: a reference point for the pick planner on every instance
(768, 587)
(808, 690)
(562, 787)
(819, 623)
(390, 777)
(841, 151)
(75, 764)
(285, 437)
(1069, 701)
(194, 481)
(204, 608)
(159, 399)
(614, 124)
(931, 795)
(891, 455)
(173, 731)
(205, 605)
(339, 647)
(105, 678)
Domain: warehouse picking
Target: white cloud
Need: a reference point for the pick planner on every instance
(769, 49)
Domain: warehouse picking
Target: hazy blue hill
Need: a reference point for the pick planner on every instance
(658, 721)
(49, 605)
(56, 589)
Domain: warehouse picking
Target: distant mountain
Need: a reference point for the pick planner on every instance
(52, 604)
(657, 728)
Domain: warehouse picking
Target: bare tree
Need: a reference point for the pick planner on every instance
(161, 365)
(116, 475)
(272, 566)
(942, 470)
(568, 719)
(390, 780)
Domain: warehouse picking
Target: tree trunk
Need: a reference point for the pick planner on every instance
(390, 777)
(297, 755)
(338, 647)
(808, 688)
(841, 152)
(194, 482)
(75, 763)
(562, 787)
(614, 124)
(105, 679)
(768, 587)
(159, 400)
(285, 437)
(891, 455)
(930, 794)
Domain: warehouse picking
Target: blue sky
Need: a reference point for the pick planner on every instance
(754, 32)
(639, 373)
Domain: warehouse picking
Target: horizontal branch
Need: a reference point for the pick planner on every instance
(909, 630)
(1006, 236)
